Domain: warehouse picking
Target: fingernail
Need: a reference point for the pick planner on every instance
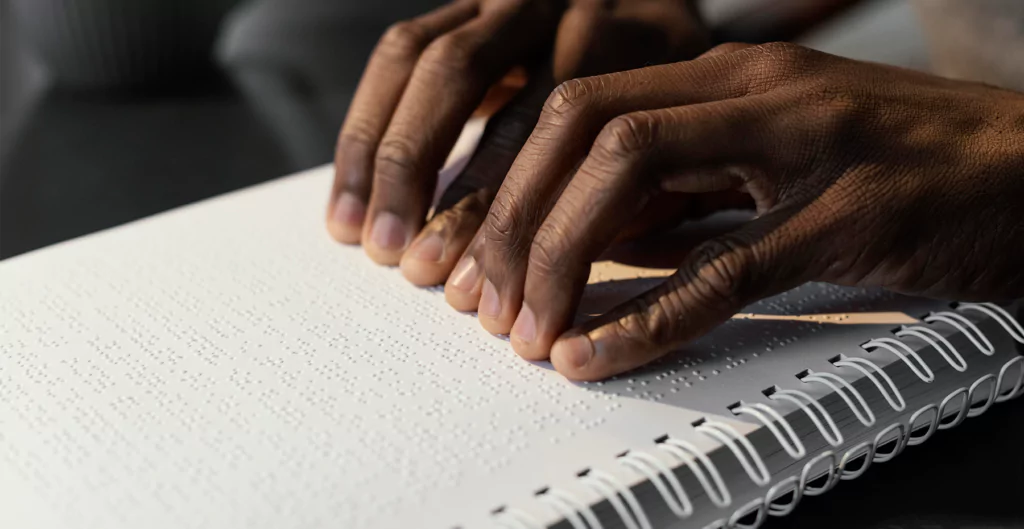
(388, 232)
(525, 327)
(576, 351)
(429, 248)
(465, 274)
(349, 210)
(490, 305)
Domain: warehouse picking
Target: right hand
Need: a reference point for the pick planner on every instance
(424, 81)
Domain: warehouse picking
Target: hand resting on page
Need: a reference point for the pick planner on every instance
(860, 174)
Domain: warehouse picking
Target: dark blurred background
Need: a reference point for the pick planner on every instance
(117, 109)
(111, 110)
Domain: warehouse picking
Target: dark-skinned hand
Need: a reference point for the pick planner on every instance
(862, 174)
(424, 81)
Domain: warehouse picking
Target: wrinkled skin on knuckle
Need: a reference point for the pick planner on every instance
(567, 99)
(717, 276)
(640, 325)
(451, 55)
(775, 64)
(394, 162)
(625, 137)
(403, 40)
(547, 253)
(506, 232)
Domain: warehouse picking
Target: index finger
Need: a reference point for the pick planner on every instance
(448, 83)
(386, 76)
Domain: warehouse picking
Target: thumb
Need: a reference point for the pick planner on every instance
(716, 280)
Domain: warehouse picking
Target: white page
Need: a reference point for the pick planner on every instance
(228, 365)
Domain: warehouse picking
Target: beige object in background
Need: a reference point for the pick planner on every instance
(978, 40)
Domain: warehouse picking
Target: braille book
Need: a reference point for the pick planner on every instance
(227, 365)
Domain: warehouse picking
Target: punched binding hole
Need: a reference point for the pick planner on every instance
(661, 439)
(803, 374)
(768, 392)
(498, 510)
(732, 407)
(583, 473)
(540, 492)
(699, 422)
(837, 358)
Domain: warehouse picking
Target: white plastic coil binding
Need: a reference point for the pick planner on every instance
(790, 442)
(838, 384)
(1015, 390)
(783, 497)
(773, 499)
(806, 403)
(632, 514)
(915, 439)
(962, 324)
(933, 338)
(749, 459)
(893, 395)
(718, 493)
(918, 366)
(865, 450)
(1012, 326)
(578, 514)
(654, 470)
(829, 458)
(755, 507)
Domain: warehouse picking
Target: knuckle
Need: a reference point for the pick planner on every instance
(451, 53)
(716, 279)
(777, 62)
(644, 323)
(356, 134)
(503, 231)
(394, 162)
(568, 97)
(547, 253)
(626, 136)
(403, 40)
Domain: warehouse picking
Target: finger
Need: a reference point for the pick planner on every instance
(375, 100)
(610, 188)
(571, 119)
(463, 205)
(447, 84)
(437, 248)
(465, 284)
(717, 280)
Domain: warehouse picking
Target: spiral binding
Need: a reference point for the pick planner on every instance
(825, 466)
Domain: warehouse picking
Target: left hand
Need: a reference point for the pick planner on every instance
(423, 82)
(862, 175)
